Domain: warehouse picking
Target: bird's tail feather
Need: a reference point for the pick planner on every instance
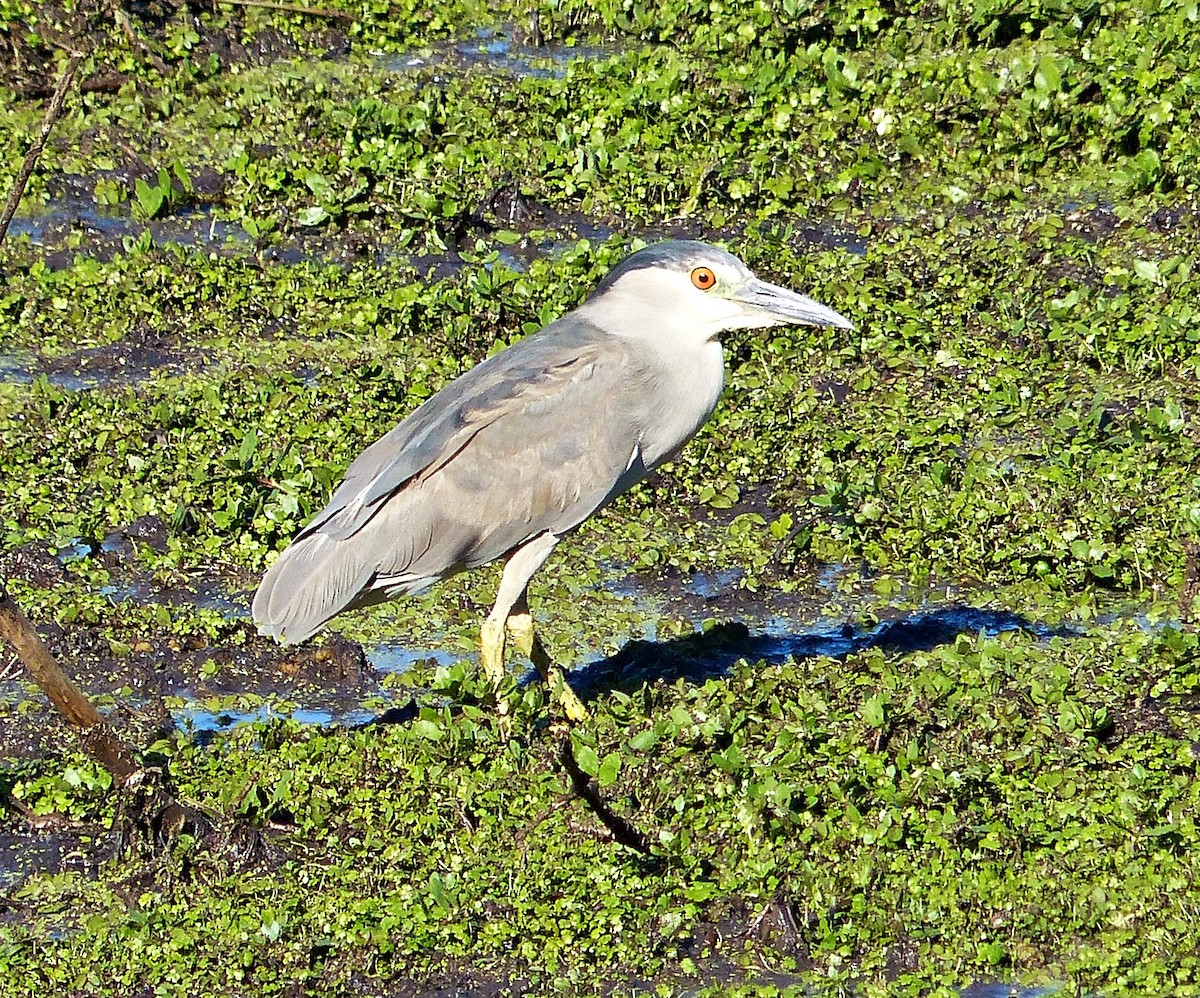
(314, 579)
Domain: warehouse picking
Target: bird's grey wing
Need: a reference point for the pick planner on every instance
(532, 449)
(441, 426)
(550, 459)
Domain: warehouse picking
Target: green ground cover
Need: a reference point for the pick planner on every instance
(1002, 197)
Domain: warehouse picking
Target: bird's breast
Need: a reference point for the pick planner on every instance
(689, 385)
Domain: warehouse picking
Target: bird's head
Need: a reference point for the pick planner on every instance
(696, 290)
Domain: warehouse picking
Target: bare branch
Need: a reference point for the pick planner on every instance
(39, 143)
(100, 741)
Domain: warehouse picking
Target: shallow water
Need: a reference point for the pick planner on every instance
(495, 52)
(198, 720)
(389, 658)
(991, 989)
(745, 633)
(193, 225)
(25, 369)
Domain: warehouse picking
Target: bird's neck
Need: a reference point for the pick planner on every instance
(688, 386)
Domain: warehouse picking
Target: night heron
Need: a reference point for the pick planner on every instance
(524, 447)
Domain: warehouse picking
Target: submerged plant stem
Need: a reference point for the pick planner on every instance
(581, 785)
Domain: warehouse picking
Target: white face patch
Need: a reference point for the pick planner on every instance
(664, 307)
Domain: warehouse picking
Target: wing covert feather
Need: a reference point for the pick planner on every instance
(526, 373)
(546, 465)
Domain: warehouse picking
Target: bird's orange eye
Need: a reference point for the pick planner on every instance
(703, 278)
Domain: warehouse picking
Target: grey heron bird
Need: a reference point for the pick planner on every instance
(525, 446)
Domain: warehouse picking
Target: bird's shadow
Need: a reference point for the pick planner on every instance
(696, 658)
(712, 653)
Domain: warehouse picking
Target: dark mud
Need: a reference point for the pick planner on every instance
(48, 844)
(33, 56)
(158, 681)
(126, 363)
(155, 677)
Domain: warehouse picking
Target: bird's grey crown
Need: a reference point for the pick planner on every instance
(675, 254)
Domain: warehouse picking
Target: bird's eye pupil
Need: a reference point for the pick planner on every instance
(703, 278)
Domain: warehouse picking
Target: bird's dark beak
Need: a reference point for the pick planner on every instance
(786, 306)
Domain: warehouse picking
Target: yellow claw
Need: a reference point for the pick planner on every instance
(520, 629)
(553, 677)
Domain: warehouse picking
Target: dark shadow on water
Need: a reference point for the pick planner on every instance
(404, 714)
(712, 653)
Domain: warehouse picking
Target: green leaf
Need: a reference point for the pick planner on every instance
(644, 741)
(609, 769)
(1048, 77)
(248, 448)
(313, 215)
(428, 729)
(150, 199)
(1147, 270)
(587, 759)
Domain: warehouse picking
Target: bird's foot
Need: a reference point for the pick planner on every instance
(571, 704)
(553, 677)
(518, 628)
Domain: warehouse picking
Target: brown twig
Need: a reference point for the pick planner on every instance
(39, 142)
(102, 743)
(145, 795)
(1189, 595)
(294, 8)
(122, 21)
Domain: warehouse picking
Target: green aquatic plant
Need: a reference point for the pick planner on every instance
(1001, 197)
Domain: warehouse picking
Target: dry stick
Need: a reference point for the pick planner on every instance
(1189, 595)
(39, 143)
(167, 816)
(101, 742)
(293, 8)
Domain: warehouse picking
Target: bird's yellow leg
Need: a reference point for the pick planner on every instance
(491, 651)
(526, 641)
(554, 678)
(520, 631)
(510, 602)
(491, 657)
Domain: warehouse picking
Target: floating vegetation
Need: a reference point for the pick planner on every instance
(901, 694)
